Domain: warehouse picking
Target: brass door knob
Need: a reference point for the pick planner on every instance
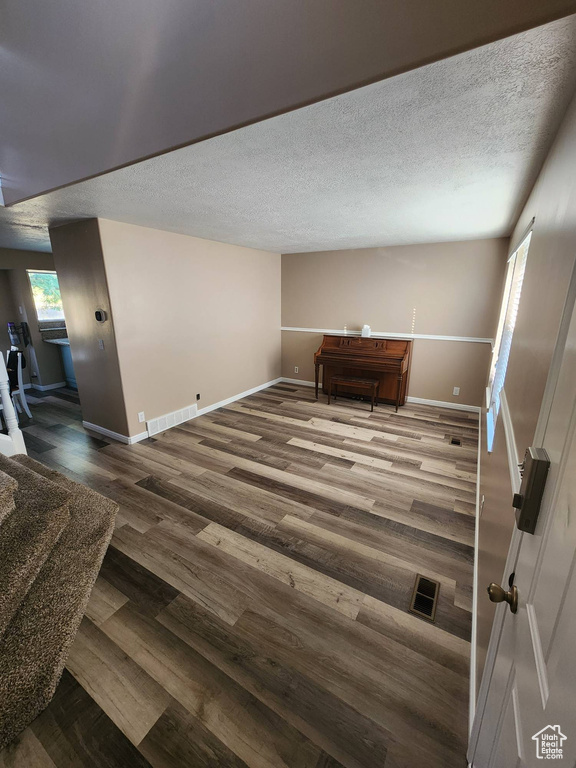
(498, 595)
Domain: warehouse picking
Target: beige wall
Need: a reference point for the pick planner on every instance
(44, 359)
(548, 269)
(446, 289)
(186, 316)
(549, 266)
(79, 262)
(438, 366)
(191, 316)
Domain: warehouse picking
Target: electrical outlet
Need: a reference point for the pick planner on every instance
(456, 391)
(295, 369)
(100, 343)
(141, 417)
(198, 396)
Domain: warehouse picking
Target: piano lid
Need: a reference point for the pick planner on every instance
(363, 346)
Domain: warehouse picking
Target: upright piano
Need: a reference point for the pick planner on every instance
(387, 360)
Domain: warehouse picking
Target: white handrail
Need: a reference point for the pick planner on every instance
(13, 442)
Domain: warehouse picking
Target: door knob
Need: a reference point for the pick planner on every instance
(498, 595)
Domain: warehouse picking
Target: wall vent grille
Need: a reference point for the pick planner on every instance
(162, 423)
(425, 598)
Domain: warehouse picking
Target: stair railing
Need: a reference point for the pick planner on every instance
(13, 442)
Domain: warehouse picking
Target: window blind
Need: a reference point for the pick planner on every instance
(508, 317)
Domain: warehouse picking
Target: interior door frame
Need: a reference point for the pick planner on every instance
(516, 540)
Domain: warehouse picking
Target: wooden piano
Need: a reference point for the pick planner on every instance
(387, 360)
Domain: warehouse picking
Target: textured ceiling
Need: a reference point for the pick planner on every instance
(86, 87)
(446, 152)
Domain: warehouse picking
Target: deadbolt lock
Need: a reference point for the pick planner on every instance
(498, 595)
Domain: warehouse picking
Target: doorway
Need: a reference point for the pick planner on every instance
(34, 343)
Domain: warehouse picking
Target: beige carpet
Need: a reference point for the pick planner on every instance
(53, 536)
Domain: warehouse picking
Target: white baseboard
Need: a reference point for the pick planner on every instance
(442, 404)
(127, 439)
(221, 403)
(284, 380)
(419, 400)
(46, 387)
(130, 440)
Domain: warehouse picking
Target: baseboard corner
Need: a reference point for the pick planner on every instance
(48, 387)
(126, 439)
(444, 404)
(228, 400)
(301, 382)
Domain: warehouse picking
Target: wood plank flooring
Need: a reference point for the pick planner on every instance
(252, 607)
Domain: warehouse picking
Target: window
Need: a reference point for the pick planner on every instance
(506, 325)
(46, 294)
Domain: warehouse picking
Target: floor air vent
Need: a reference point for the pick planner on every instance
(455, 441)
(424, 598)
(162, 423)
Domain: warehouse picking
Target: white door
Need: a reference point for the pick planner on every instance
(527, 705)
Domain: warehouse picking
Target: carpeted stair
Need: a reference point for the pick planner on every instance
(53, 536)
(8, 486)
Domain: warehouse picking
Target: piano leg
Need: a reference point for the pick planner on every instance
(399, 391)
(316, 379)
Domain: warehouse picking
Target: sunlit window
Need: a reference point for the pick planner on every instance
(506, 325)
(46, 293)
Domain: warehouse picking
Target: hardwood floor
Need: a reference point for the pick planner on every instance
(252, 607)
